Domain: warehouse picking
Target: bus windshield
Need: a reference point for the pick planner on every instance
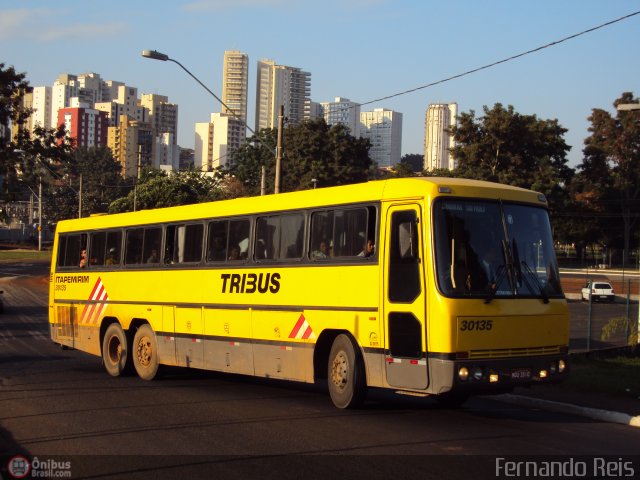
(490, 249)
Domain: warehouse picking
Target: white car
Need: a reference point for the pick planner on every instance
(600, 291)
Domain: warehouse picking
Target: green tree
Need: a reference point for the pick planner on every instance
(507, 147)
(247, 161)
(610, 171)
(102, 184)
(414, 161)
(312, 151)
(156, 189)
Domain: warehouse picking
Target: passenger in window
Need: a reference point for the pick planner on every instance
(368, 249)
(218, 249)
(234, 254)
(153, 258)
(83, 258)
(322, 252)
(111, 257)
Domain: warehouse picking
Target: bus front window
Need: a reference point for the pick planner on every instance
(477, 257)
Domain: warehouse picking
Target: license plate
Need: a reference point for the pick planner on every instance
(521, 374)
(603, 297)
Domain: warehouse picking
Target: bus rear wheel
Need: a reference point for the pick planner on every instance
(115, 352)
(347, 383)
(145, 353)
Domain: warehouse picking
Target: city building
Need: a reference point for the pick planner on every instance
(118, 100)
(88, 127)
(235, 82)
(166, 153)
(131, 144)
(41, 99)
(383, 128)
(439, 118)
(216, 140)
(279, 85)
(342, 111)
(162, 115)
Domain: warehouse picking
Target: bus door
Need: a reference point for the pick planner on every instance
(404, 300)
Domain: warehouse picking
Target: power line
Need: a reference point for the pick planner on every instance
(504, 60)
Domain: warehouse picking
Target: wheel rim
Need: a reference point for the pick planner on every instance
(340, 370)
(144, 351)
(114, 350)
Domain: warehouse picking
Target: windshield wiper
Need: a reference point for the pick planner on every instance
(534, 276)
(493, 286)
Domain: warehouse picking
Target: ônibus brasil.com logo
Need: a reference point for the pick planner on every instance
(20, 467)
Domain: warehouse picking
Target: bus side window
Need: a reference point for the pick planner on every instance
(183, 243)
(217, 241)
(321, 235)
(113, 248)
(133, 247)
(70, 250)
(239, 231)
(151, 245)
(350, 232)
(97, 248)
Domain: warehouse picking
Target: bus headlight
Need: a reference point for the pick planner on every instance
(463, 374)
(561, 366)
(477, 373)
(553, 368)
(544, 374)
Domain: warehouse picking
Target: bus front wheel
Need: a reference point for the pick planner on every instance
(115, 353)
(347, 383)
(145, 353)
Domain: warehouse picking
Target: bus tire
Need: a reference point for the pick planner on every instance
(115, 351)
(347, 382)
(145, 353)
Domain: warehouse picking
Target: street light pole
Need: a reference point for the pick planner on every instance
(40, 215)
(155, 55)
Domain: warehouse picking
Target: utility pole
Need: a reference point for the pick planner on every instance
(40, 215)
(80, 199)
(279, 148)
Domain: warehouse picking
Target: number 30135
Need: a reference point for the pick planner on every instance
(471, 325)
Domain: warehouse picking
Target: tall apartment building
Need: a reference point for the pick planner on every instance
(342, 111)
(131, 144)
(278, 85)
(119, 100)
(166, 153)
(88, 127)
(235, 82)
(41, 103)
(437, 141)
(383, 128)
(216, 140)
(162, 115)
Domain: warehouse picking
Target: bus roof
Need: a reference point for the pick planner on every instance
(379, 190)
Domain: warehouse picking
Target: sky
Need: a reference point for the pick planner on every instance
(358, 49)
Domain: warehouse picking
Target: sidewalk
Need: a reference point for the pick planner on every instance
(607, 408)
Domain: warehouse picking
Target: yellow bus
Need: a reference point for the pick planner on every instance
(428, 286)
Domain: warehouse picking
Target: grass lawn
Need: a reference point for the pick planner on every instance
(614, 376)
(24, 254)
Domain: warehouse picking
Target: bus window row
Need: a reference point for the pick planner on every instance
(333, 234)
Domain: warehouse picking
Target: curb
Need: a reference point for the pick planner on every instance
(593, 413)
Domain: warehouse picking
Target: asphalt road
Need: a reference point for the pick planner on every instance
(61, 405)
